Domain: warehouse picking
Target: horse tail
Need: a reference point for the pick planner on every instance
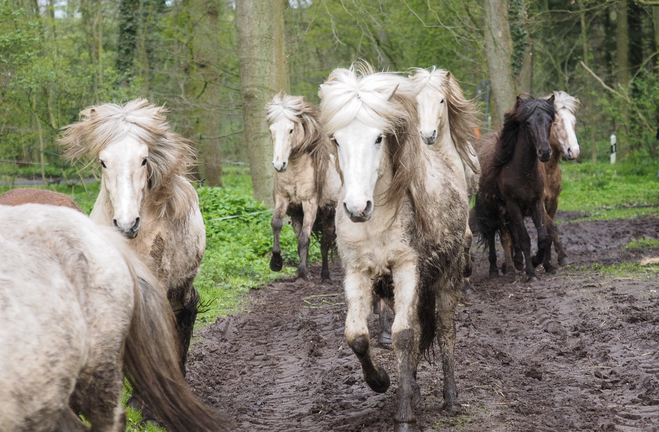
(151, 361)
(487, 223)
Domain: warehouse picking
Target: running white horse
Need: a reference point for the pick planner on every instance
(80, 311)
(400, 228)
(144, 190)
(447, 121)
(306, 185)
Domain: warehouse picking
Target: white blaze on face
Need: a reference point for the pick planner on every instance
(432, 107)
(565, 132)
(282, 132)
(359, 149)
(125, 178)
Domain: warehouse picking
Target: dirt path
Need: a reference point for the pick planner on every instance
(575, 351)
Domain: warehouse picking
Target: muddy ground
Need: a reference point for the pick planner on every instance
(578, 350)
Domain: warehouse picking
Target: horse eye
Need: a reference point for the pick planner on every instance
(291, 131)
(442, 101)
(335, 141)
(103, 164)
(144, 162)
(379, 140)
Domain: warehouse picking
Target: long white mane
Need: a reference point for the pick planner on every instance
(349, 94)
(285, 106)
(170, 155)
(434, 78)
(564, 100)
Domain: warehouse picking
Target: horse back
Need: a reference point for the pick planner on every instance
(21, 196)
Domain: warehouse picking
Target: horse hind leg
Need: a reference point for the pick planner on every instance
(494, 271)
(186, 316)
(446, 340)
(99, 400)
(70, 422)
(326, 241)
(310, 209)
(522, 238)
(276, 262)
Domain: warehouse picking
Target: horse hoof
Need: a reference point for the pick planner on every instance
(380, 382)
(301, 275)
(385, 339)
(494, 274)
(405, 427)
(325, 276)
(519, 266)
(532, 278)
(563, 261)
(535, 261)
(550, 269)
(276, 262)
(504, 268)
(416, 395)
(468, 289)
(452, 407)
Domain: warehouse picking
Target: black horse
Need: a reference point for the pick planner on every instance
(512, 183)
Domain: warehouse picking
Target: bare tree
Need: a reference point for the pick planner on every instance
(263, 72)
(498, 50)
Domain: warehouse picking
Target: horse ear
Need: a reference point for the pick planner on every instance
(393, 92)
(551, 99)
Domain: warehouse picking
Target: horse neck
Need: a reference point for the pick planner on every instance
(446, 147)
(556, 153)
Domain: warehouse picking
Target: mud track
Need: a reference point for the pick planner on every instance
(577, 350)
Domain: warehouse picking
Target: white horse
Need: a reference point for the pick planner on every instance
(400, 229)
(306, 185)
(144, 191)
(79, 312)
(447, 121)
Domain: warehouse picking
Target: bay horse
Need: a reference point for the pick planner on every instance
(447, 121)
(144, 190)
(79, 313)
(512, 181)
(400, 229)
(22, 196)
(564, 144)
(306, 186)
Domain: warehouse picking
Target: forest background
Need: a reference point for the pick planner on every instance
(59, 56)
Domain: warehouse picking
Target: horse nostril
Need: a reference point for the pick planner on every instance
(345, 207)
(368, 209)
(114, 222)
(136, 225)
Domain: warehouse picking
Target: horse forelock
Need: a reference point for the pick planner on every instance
(562, 100)
(170, 155)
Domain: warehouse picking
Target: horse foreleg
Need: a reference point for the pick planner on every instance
(185, 319)
(406, 344)
(447, 302)
(522, 237)
(469, 238)
(507, 244)
(281, 205)
(70, 422)
(359, 299)
(310, 208)
(552, 234)
(385, 327)
(494, 271)
(539, 216)
(326, 244)
(562, 255)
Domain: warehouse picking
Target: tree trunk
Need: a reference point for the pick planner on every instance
(622, 43)
(127, 41)
(263, 72)
(499, 49)
(655, 22)
(589, 104)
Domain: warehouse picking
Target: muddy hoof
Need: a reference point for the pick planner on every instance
(452, 407)
(405, 427)
(519, 265)
(379, 382)
(535, 261)
(276, 262)
(550, 269)
(563, 261)
(494, 273)
(467, 289)
(301, 274)
(325, 276)
(531, 278)
(385, 340)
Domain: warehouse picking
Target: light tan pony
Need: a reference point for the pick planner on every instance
(400, 229)
(144, 190)
(79, 312)
(22, 196)
(447, 121)
(306, 186)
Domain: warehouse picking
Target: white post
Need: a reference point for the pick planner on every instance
(613, 148)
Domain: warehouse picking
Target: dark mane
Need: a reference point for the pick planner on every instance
(514, 122)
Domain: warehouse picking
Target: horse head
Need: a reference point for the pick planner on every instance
(563, 135)
(431, 101)
(536, 116)
(360, 116)
(285, 127)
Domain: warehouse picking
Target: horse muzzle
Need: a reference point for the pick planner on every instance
(280, 169)
(544, 156)
(359, 215)
(571, 155)
(429, 139)
(130, 232)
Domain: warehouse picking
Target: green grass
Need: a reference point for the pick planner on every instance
(632, 269)
(642, 244)
(605, 191)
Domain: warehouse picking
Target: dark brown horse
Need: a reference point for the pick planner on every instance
(512, 183)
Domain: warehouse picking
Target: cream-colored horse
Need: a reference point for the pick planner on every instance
(306, 185)
(400, 228)
(146, 196)
(446, 122)
(79, 312)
